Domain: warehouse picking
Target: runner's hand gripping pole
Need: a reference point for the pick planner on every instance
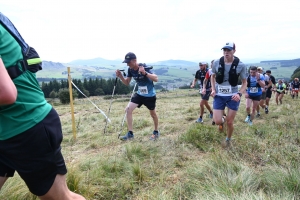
(126, 111)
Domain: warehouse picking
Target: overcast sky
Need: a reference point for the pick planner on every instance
(156, 30)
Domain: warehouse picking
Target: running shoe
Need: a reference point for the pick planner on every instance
(211, 115)
(250, 123)
(266, 110)
(199, 120)
(258, 115)
(128, 136)
(226, 144)
(247, 118)
(155, 135)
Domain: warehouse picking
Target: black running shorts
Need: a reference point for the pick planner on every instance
(268, 94)
(149, 102)
(255, 98)
(35, 154)
(263, 95)
(206, 95)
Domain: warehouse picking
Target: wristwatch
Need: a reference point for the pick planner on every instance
(240, 94)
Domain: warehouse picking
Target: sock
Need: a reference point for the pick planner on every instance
(258, 113)
(228, 139)
(266, 106)
(223, 120)
(249, 115)
(130, 132)
(200, 117)
(155, 131)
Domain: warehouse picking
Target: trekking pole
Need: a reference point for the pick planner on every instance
(126, 111)
(112, 96)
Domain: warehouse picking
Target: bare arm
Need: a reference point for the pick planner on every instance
(8, 90)
(152, 77)
(213, 85)
(126, 80)
(244, 86)
(269, 84)
(204, 83)
(193, 83)
(259, 81)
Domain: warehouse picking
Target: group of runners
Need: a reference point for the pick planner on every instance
(31, 131)
(220, 81)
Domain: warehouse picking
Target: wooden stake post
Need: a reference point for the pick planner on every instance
(71, 104)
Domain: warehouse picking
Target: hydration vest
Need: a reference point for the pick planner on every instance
(233, 76)
(248, 82)
(31, 60)
(201, 75)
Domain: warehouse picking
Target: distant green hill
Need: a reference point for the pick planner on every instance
(285, 63)
(173, 73)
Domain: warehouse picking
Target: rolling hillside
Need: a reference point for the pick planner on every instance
(172, 73)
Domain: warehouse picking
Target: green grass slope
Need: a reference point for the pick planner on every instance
(186, 162)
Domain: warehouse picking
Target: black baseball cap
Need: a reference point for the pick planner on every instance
(268, 71)
(128, 57)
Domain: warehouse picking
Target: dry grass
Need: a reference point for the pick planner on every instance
(186, 162)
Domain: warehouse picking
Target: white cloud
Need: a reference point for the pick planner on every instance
(156, 30)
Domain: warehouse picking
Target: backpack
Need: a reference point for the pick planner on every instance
(233, 76)
(200, 75)
(31, 60)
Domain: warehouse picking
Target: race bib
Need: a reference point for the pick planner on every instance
(296, 88)
(143, 89)
(253, 89)
(224, 89)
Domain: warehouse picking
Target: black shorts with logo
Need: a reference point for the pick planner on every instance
(149, 102)
(35, 154)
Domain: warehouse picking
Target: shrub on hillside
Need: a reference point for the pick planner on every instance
(64, 95)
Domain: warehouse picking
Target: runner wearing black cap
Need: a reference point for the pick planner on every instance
(204, 90)
(145, 95)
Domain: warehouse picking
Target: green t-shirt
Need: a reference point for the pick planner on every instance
(30, 107)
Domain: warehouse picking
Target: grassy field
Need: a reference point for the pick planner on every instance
(186, 162)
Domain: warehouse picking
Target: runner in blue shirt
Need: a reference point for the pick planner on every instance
(146, 94)
(255, 83)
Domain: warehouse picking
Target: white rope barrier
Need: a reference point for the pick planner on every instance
(92, 102)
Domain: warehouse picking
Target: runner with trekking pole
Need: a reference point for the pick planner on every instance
(145, 95)
(112, 96)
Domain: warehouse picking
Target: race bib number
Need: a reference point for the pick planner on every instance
(224, 89)
(297, 89)
(253, 89)
(143, 89)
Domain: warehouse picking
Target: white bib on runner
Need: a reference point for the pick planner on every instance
(143, 89)
(224, 89)
(253, 89)
(296, 89)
